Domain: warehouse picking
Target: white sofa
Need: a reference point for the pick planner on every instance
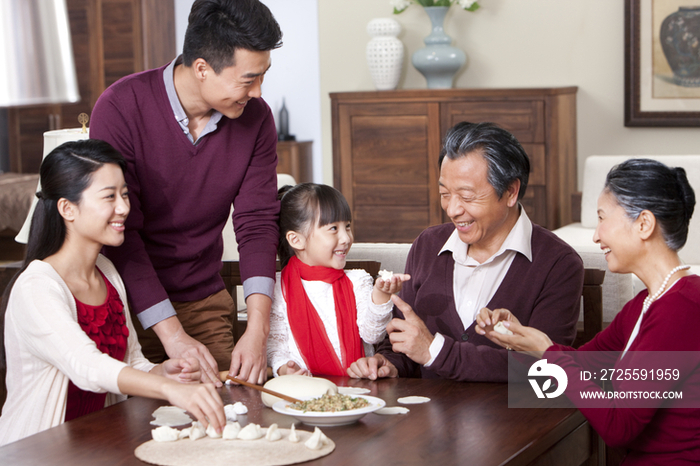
(617, 288)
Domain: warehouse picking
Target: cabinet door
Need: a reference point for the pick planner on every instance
(387, 168)
(525, 119)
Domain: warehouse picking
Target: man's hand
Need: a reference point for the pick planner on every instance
(372, 368)
(249, 357)
(409, 336)
(178, 344)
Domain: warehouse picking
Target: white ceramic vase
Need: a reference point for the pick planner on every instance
(385, 53)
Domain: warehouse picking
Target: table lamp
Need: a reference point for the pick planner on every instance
(53, 139)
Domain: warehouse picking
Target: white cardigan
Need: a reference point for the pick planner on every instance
(46, 348)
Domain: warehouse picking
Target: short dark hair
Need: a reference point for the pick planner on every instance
(506, 158)
(305, 206)
(645, 184)
(216, 28)
(64, 173)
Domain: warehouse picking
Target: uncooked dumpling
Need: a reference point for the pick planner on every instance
(298, 386)
(197, 431)
(500, 328)
(293, 437)
(230, 413)
(317, 440)
(211, 433)
(273, 433)
(385, 274)
(164, 434)
(239, 408)
(231, 431)
(251, 432)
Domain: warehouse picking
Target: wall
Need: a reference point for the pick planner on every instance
(294, 75)
(509, 43)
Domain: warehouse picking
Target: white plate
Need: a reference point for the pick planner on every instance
(338, 418)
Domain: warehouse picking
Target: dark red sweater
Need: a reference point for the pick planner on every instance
(181, 193)
(544, 293)
(655, 435)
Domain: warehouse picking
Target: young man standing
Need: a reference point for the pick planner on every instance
(198, 138)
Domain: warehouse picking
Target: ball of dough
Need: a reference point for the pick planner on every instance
(297, 386)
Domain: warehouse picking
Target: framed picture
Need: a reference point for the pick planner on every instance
(662, 62)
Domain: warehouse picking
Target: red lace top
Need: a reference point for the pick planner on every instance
(106, 326)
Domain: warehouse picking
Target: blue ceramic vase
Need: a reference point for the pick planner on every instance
(439, 61)
(680, 41)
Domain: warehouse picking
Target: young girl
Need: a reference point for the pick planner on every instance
(323, 318)
(65, 333)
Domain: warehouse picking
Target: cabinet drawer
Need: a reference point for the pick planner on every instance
(523, 118)
(394, 224)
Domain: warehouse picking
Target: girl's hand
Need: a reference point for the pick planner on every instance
(185, 370)
(292, 368)
(383, 289)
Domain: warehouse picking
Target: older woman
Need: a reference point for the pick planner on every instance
(643, 216)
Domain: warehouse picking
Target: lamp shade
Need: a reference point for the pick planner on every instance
(52, 139)
(37, 53)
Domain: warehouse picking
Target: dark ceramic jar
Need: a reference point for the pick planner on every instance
(680, 40)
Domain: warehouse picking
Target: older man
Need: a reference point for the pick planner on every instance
(490, 255)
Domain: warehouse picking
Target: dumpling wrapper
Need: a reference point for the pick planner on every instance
(389, 410)
(165, 434)
(273, 433)
(251, 432)
(317, 440)
(413, 400)
(500, 328)
(231, 431)
(353, 391)
(293, 437)
(184, 433)
(197, 431)
(170, 416)
(297, 386)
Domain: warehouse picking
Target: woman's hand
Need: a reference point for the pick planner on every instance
(202, 400)
(525, 339)
(292, 368)
(185, 370)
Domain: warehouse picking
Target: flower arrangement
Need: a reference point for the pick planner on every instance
(401, 5)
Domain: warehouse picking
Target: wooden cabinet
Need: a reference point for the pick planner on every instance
(386, 146)
(295, 158)
(111, 39)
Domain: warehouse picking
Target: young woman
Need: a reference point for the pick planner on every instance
(323, 318)
(643, 216)
(67, 338)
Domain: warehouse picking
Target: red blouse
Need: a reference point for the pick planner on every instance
(106, 326)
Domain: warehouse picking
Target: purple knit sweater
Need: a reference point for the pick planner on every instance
(181, 193)
(544, 293)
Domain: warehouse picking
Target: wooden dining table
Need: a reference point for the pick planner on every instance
(463, 423)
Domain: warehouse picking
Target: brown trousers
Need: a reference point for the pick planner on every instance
(208, 321)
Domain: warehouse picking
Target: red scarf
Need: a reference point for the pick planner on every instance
(307, 327)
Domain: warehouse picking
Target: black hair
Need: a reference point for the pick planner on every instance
(64, 173)
(216, 28)
(506, 158)
(305, 206)
(645, 184)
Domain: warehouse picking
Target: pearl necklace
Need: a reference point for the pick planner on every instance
(651, 298)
